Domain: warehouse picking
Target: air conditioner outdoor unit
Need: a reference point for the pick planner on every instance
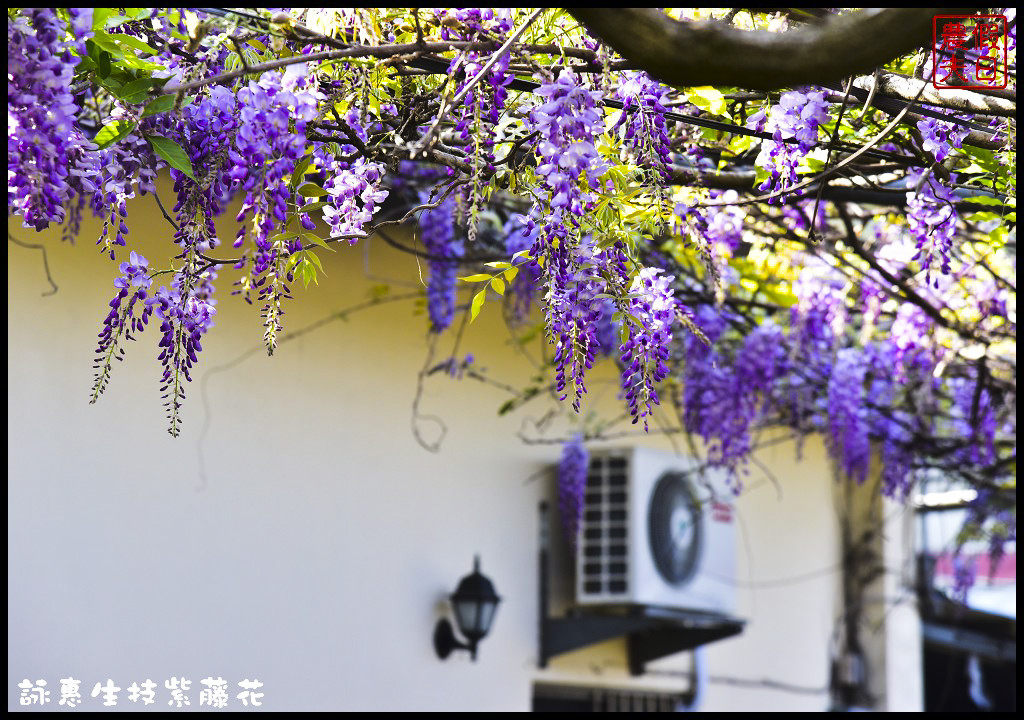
(655, 534)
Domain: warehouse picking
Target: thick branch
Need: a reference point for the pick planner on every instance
(687, 54)
(969, 101)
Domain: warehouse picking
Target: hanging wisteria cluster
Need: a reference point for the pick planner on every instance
(43, 138)
(798, 116)
(572, 484)
(643, 122)
(438, 233)
(612, 212)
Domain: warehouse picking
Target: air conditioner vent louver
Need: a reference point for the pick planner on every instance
(652, 535)
(604, 528)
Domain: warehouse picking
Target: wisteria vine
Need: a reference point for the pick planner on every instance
(875, 306)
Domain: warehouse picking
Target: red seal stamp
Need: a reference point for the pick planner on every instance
(969, 51)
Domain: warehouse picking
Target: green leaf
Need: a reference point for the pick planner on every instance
(111, 84)
(989, 200)
(623, 330)
(740, 144)
(815, 160)
(293, 260)
(476, 278)
(311, 190)
(507, 406)
(86, 64)
(498, 285)
(985, 159)
(99, 18)
(140, 65)
(634, 319)
(132, 42)
(113, 132)
(308, 273)
(710, 134)
(300, 171)
(510, 274)
(136, 91)
(998, 236)
(316, 260)
(761, 174)
(498, 264)
(172, 153)
(160, 105)
(316, 240)
(707, 98)
(106, 42)
(478, 302)
(104, 63)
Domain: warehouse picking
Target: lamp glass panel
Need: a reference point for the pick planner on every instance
(487, 616)
(468, 617)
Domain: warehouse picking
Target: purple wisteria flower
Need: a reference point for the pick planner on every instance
(997, 518)
(81, 27)
(134, 273)
(572, 484)
(122, 320)
(932, 218)
(799, 115)
(42, 137)
(708, 385)
(569, 165)
(940, 137)
(354, 188)
(643, 121)
(270, 142)
(909, 338)
(521, 235)
(645, 352)
(354, 194)
(478, 114)
(848, 437)
(965, 574)
(184, 320)
(606, 334)
(572, 311)
(974, 420)
(724, 223)
(437, 231)
(722, 400)
(207, 134)
(897, 457)
(271, 139)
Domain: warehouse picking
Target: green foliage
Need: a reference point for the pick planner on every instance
(172, 153)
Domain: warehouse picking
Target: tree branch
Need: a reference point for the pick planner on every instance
(46, 262)
(687, 54)
(906, 88)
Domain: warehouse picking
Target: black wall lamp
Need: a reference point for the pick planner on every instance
(474, 603)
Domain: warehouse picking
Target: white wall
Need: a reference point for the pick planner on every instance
(305, 538)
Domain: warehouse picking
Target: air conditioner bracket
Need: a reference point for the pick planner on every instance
(651, 632)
